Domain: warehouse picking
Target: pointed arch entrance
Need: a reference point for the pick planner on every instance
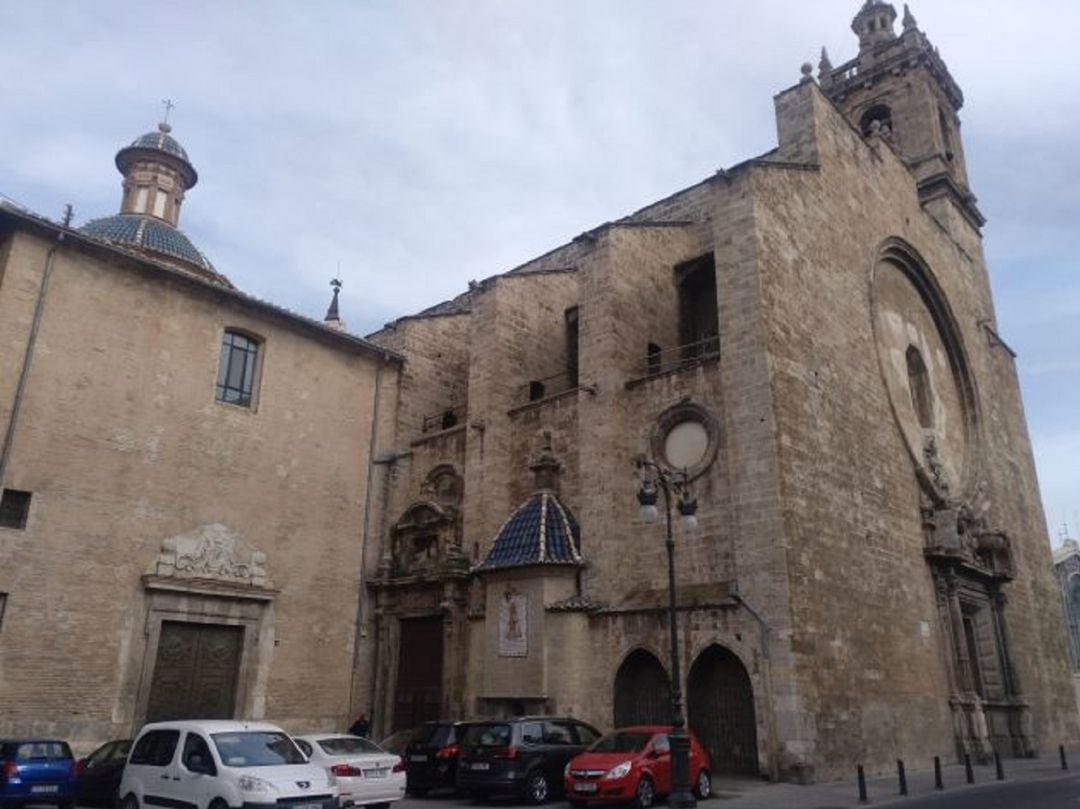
(721, 711)
(642, 691)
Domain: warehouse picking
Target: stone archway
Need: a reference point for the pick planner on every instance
(721, 711)
(642, 691)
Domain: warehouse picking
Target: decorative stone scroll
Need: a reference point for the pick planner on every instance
(212, 552)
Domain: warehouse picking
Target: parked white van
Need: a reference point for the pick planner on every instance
(219, 764)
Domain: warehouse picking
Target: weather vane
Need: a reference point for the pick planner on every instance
(336, 284)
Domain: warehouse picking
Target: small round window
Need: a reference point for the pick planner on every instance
(685, 439)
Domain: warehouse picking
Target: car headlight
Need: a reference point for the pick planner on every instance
(249, 783)
(619, 770)
(566, 770)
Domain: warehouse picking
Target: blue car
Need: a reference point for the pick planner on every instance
(36, 771)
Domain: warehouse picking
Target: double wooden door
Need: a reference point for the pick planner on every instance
(195, 672)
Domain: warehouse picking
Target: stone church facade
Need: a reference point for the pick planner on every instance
(212, 505)
(870, 576)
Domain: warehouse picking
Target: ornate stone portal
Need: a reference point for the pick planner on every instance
(934, 403)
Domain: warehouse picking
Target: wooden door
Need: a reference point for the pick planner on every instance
(195, 672)
(642, 691)
(721, 711)
(418, 695)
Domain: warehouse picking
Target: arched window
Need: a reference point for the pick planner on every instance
(876, 121)
(238, 368)
(919, 382)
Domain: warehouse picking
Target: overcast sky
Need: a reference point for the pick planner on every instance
(423, 143)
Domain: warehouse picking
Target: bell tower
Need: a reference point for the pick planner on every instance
(899, 89)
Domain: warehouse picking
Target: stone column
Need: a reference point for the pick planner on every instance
(1020, 717)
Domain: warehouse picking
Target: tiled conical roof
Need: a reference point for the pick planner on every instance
(541, 532)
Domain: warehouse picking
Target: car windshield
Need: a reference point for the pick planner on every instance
(434, 735)
(623, 741)
(487, 736)
(348, 746)
(257, 748)
(42, 751)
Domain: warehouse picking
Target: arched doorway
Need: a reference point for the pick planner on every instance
(721, 711)
(642, 691)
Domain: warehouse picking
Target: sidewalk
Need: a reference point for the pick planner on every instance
(736, 793)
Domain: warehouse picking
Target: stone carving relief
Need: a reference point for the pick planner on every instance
(212, 552)
(960, 532)
(425, 542)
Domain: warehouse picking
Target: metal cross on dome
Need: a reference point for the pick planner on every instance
(168, 108)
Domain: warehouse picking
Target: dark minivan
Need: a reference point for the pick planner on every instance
(525, 755)
(36, 771)
(431, 756)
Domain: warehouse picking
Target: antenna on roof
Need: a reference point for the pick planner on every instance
(69, 214)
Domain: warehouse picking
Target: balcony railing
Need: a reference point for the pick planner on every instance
(443, 420)
(536, 389)
(661, 361)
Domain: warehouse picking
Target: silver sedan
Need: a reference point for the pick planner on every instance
(366, 774)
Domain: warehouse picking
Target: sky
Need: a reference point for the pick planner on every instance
(410, 146)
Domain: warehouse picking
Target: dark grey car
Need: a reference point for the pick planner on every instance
(525, 755)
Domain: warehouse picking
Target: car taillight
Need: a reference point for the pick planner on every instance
(400, 766)
(450, 751)
(505, 752)
(80, 767)
(347, 771)
(10, 769)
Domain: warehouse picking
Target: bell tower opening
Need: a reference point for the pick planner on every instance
(899, 88)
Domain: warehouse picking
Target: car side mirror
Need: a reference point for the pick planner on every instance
(654, 753)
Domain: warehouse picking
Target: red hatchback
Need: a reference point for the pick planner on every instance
(632, 764)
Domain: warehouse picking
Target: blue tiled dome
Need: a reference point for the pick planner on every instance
(541, 532)
(160, 141)
(150, 234)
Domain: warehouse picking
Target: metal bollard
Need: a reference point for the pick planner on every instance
(901, 776)
(938, 783)
(862, 785)
(1000, 771)
(967, 769)
(1061, 752)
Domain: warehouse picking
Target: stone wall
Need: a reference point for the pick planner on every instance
(123, 446)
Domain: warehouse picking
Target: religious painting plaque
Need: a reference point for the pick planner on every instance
(514, 626)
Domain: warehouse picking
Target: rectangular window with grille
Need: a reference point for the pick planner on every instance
(239, 366)
(14, 508)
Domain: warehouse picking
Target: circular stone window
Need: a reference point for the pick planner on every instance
(685, 439)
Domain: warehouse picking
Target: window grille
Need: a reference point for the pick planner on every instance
(238, 368)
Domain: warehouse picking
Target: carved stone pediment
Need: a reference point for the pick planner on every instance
(426, 543)
(213, 552)
(959, 533)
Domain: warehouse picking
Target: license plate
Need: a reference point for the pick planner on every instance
(584, 787)
(306, 806)
(380, 773)
(417, 758)
(42, 789)
(481, 765)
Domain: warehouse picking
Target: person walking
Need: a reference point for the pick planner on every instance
(360, 727)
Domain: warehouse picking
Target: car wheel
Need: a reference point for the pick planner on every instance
(644, 794)
(129, 802)
(218, 803)
(537, 789)
(577, 804)
(379, 805)
(703, 785)
(66, 805)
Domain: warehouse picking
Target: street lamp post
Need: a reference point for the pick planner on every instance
(669, 483)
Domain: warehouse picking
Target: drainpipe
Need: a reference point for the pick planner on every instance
(28, 358)
(361, 630)
(770, 717)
